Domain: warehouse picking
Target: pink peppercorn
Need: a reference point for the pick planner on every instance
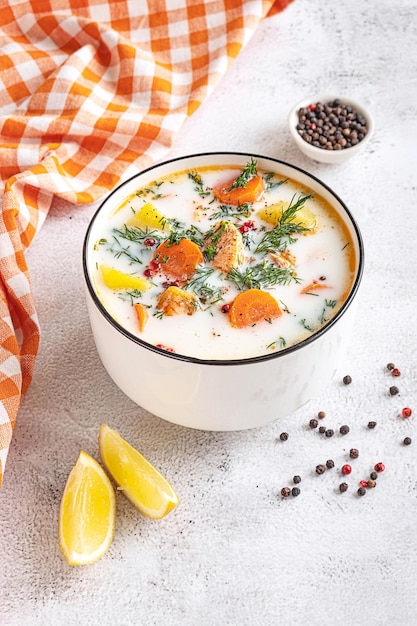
(346, 469)
(379, 467)
(406, 412)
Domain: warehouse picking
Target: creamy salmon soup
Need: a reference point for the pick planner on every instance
(223, 262)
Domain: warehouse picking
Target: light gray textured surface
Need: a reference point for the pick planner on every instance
(233, 552)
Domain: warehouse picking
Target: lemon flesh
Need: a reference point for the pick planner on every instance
(303, 217)
(139, 481)
(149, 217)
(114, 279)
(87, 514)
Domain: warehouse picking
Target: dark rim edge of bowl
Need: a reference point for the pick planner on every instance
(246, 361)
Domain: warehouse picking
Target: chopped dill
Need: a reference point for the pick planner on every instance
(131, 296)
(118, 251)
(281, 341)
(199, 186)
(261, 276)
(154, 190)
(159, 314)
(137, 234)
(270, 183)
(179, 231)
(306, 326)
(227, 210)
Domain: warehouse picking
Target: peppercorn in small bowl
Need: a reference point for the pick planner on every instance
(330, 129)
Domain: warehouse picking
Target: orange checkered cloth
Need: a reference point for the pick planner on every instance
(91, 91)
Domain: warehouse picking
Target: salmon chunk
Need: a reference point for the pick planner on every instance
(174, 301)
(225, 246)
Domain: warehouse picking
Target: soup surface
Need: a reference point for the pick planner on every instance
(223, 262)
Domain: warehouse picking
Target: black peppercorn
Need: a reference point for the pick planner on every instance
(283, 436)
(295, 491)
(353, 453)
(313, 423)
(344, 429)
(390, 366)
(329, 463)
(373, 475)
(285, 492)
(407, 441)
(394, 390)
(320, 469)
(296, 479)
(322, 429)
(329, 432)
(343, 487)
(347, 380)
(371, 425)
(321, 414)
(361, 491)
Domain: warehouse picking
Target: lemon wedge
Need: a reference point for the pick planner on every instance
(87, 513)
(140, 482)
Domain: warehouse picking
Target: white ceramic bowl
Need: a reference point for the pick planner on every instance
(321, 154)
(219, 395)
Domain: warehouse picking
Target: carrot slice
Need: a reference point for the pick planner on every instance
(178, 260)
(314, 287)
(251, 192)
(142, 315)
(252, 306)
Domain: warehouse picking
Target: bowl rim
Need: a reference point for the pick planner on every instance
(223, 362)
(327, 97)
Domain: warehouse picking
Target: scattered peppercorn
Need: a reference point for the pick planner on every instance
(394, 390)
(361, 491)
(343, 487)
(313, 423)
(396, 372)
(320, 469)
(371, 484)
(285, 492)
(283, 436)
(390, 366)
(331, 125)
(353, 453)
(329, 463)
(329, 432)
(363, 483)
(225, 308)
(379, 467)
(407, 441)
(296, 479)
(344, 429)
(373, 475)
(371, 425)
(347, 380)
(406, 412)
(295, 491)
(346, 469)
(322, 429)
(321, 414)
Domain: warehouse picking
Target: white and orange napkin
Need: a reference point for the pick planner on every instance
(90, 93)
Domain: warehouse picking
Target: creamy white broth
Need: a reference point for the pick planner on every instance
(326, 256)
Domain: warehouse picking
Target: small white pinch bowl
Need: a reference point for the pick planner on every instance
(321, 154)
(219, 395)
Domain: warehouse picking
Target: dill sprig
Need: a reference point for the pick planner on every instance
(199, 185)
(261, 276)
(279, 237)
(206, 293)
(245, 175)
(131, 296)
